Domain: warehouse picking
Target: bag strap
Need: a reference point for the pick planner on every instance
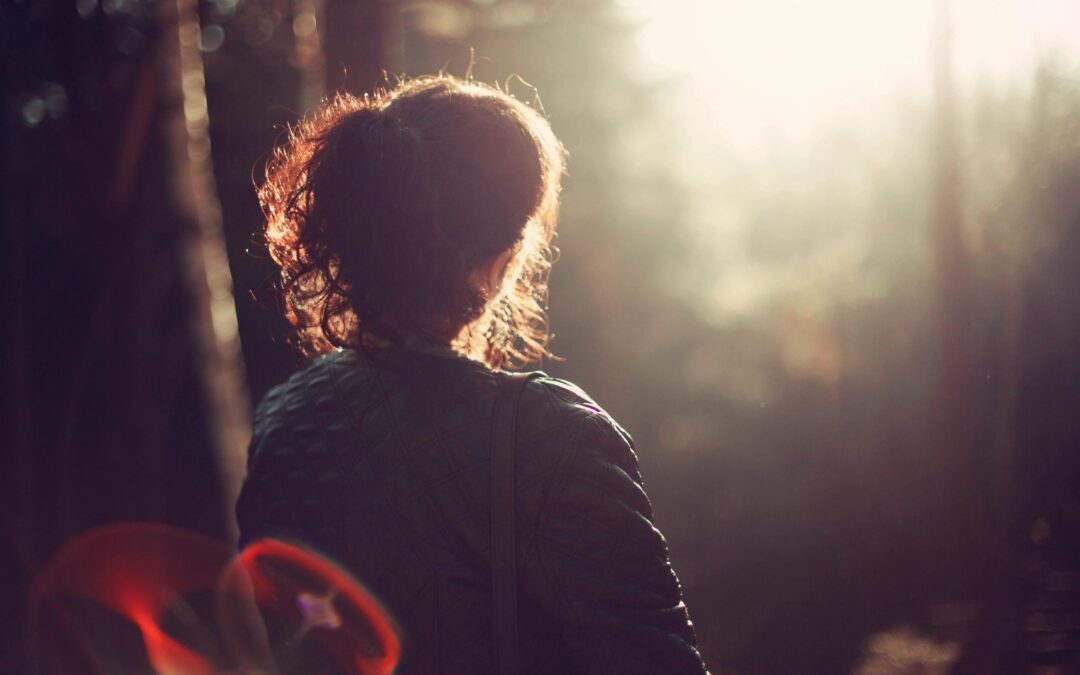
(503, 545)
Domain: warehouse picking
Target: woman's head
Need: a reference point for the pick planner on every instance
(425, 211)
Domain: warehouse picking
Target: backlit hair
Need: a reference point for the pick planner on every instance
(378, 208)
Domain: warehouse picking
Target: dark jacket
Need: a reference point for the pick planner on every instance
(384, 466)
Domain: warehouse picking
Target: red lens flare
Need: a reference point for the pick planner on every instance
(318, 599)
(138, 570)
(280, 608)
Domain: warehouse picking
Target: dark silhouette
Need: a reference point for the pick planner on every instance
(413, 229)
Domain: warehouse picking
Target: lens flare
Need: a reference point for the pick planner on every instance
(136, 570)
(312, 597)
(197, 610)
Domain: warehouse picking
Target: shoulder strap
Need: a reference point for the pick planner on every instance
(503, 545)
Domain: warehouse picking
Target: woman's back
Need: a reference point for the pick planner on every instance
(384, 465)
(416, 226)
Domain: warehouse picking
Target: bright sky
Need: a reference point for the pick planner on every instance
(765, 67)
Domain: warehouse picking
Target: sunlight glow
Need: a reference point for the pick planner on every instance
(790, 119)
(781, 68)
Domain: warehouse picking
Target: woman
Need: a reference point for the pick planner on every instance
(413, 231)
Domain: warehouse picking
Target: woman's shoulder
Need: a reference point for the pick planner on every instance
(318, 385)
(558, 414)
(556, 396)
(298, 383)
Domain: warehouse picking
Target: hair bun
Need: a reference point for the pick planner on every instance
(379, 208)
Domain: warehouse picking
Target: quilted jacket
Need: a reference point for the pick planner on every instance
(384, 466)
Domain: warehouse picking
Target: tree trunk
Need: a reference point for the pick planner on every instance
(118, 353)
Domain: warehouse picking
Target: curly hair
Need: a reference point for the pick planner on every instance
(379, 208)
